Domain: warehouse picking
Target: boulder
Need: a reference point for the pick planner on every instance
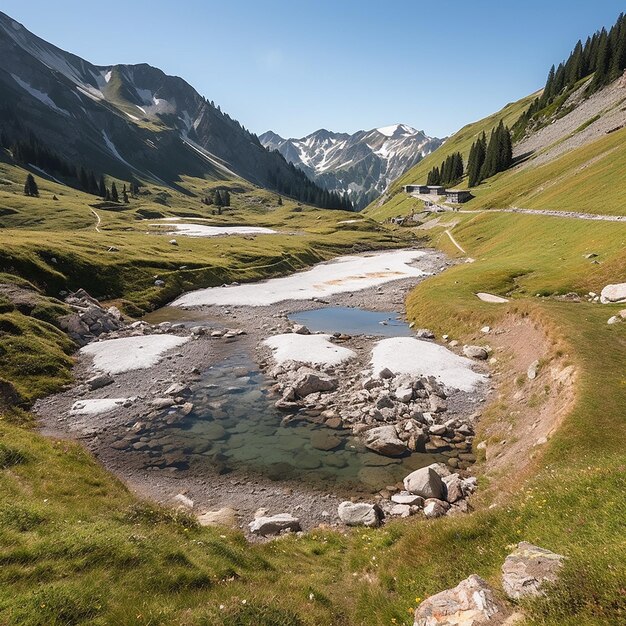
(360, 514)
(425, 482)
(177, 389)
(425, 333)
(402, 510)
(385, 373)
(433, 507)
(310, 381)
(407, 498)
(528, 568)
(471, 603)
(300, 329)
(475, 352)
(454, 488)
(323, 440)
(222, 517)
(404, 394)
(384, 440)
(274, 524)
(97, 382)
(533, 370)
(613, 293)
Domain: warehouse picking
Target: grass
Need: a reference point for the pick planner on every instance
(77, 548)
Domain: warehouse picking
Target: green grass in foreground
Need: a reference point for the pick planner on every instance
(77, 548)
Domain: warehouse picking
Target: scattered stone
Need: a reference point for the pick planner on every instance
(528, 568)
(311, 381)
(471, 603)
(425, 482)
(533, 370)
(407, 498)
(386, 373)
(360, 514)
(433, 507)
(475, 352)
(404, 394)
(222, 517)
(424, 333)
(613, 293)
(177, 389)
(485, 329)
(322, 440)
(385, 440)
(401, 510)
(454, 489)
(183, 501)
(275, 524)
(300, 329)
(97, 382)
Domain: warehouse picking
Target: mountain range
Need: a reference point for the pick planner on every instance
(130, 120)
(362, 164)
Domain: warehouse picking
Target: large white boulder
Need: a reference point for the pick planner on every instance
(359, 514)
(613, 293)
(274, 525)
(425, 482)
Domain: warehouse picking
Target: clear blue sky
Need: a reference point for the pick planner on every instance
(294, 66)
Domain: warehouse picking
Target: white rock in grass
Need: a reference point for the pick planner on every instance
(359, 514)
(613, 293)
(425, 482)
(183, 501)
(275, 524)
(488, 297)
(475, 352)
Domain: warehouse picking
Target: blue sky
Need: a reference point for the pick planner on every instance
(294, 66)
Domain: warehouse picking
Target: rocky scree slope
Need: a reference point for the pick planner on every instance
(362, 164)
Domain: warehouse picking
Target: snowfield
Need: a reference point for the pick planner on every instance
(308, 349)
(406, 355)
(114, 356)
(202, 230)
(344, 274)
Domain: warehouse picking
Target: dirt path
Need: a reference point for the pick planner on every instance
(571, 214)
(455, 242)
(98, 220)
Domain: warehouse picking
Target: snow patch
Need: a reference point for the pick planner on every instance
(389, 131)
(113, 149)
(43, 97)
(308, 349)
(107, 76)
(489, 297)
(91, 93)
(344, 274)
(96, 406)
(202, 230)
(406, 355)
(114, 356)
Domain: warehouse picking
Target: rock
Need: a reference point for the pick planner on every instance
(370, 383)
(322, 440)
(274, 524)
(384, 402)
(437, 429)
(402, 510)
(97, 382)
(485, 329)
(177, 389)
(173, 242)
(454, 488)
(407, 498)
(613, 293)
(533, 370)
(384, 440)
(186, 408)
(475, 352)
(404, 394)
(614, 319)
(471, 603)
(162, 403)
(310, 381)
(223, 517)
(183, 501)
(360, 514)
(425, 482)
(300, 329)
(424, 333)
(434, 507)
(385, 373)
(528, 568)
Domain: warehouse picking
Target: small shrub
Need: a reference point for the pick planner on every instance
(11, 456)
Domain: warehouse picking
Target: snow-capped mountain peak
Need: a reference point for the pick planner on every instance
(362, 164)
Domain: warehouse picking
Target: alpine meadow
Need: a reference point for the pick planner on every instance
(345, 377)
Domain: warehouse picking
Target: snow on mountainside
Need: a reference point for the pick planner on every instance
(363, 164)
(126, 120)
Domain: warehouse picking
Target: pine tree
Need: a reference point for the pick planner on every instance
(30, 187)
(114, 195)
(280, 201)
(602, 64)
(125, 195)
(102, 188)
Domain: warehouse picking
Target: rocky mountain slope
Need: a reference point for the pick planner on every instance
(362, 164)
(127, 120)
